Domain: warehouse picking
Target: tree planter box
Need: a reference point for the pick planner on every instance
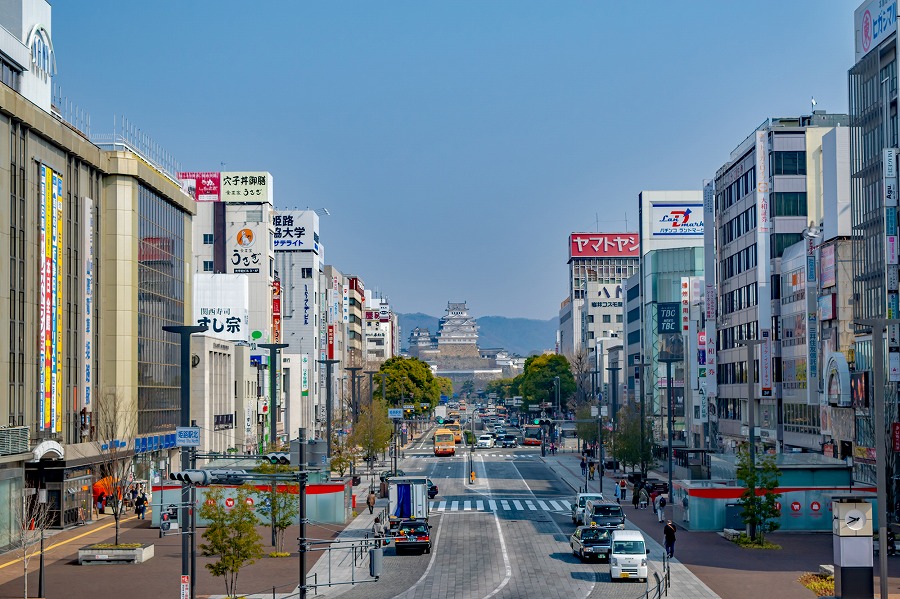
(108, 555)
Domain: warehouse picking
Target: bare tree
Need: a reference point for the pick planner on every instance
(581, 365)
(116, 429)
(32, 519)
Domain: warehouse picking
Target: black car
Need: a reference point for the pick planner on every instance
(432, 489)
(605, 514)
(389, 473)
(590, 541)
(509, 441)
(412, 534)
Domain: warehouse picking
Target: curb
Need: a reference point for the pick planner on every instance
(561, 477)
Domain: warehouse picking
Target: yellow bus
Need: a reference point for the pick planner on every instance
(456, 430)
(444, 442)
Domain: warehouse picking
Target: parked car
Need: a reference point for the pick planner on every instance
(509, 441)
(432, 489)
(603, 514)
(590, 541)
(628, 555)
(412, 534)
(654, 484)
(578, 506)
(389, 473)
(485, 441)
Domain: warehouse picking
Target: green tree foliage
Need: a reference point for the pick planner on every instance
(231, 536)
(536, 383)
(502, 387)
(468, 387)
(759, 499)
(343, 454)
(586, 431)
(627, 439)
(372, 433)
(411, 379)
(283, 504)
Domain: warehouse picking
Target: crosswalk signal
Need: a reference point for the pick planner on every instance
(165, 524)
(536, 421)
(207, 477)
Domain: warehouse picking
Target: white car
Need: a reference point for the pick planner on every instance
(485, 441)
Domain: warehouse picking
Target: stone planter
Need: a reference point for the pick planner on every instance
(91, 554)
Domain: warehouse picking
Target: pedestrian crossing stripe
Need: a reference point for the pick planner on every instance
(504, 505)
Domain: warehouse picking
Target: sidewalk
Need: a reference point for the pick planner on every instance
(706, 565)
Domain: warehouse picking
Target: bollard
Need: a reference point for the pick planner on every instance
(375, 562)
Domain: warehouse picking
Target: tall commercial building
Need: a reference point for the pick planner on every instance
(765, 197)
(873, 177)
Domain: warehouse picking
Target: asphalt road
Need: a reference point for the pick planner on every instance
(505, 536)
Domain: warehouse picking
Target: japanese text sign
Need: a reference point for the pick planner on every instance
(604, 245)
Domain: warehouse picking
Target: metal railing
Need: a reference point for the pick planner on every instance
(660, 588)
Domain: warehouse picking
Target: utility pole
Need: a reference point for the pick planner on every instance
(274, 369)
(640, 388)
(615, 402)
(354, 398)
(301, 514)
(751, 407)
(670, 413)
(328, 401)
(185, 332)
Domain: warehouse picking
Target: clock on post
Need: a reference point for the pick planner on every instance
(852, 542)
(852, 519)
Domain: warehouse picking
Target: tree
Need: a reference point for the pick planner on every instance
(412, 380)
(116, 427)
(468, 387)
(372, 433)
(586, 431)
(343, 454)
(32, 519)
(283, 505)
(627, 439)
(231, 535)
(581, 367)
(759, 499)
(537, 383)
(502, 387)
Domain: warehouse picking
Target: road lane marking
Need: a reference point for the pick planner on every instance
(504, 504)
(557, 506)
(517, 504)
(543, 506)
(467, 506)
(506, 563)
(454, 505)
(434, 544)
(530, 506)
(442, 505)
(492, 505)
(479, 505)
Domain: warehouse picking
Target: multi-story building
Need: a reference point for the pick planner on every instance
(765, 197)
(380, 331)
(598, 263)
(354, 308)
(631, 337)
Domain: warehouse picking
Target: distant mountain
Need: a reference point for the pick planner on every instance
(523, 336)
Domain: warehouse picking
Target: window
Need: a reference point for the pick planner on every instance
(782, 241)
(606, 318)
(207, 266)
(788, 163)
(618, 318)
(789, 204)
(207, 239)
(306, 273)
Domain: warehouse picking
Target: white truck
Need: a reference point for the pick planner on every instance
(440, 412)
(407, 499)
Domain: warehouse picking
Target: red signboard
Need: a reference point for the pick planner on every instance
(203, 187)
(604, 245)
(331, 342)
(895, 435)
(276, 311)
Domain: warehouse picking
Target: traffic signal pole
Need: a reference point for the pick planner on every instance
(301, 492)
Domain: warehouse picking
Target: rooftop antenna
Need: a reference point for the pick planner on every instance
(223, 165)
(812, 102)
(597, 220)
(626, 220)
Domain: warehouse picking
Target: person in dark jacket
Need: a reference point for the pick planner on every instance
(669, 534)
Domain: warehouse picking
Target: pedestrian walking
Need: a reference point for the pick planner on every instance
(636, 497)
(140, 506)
(583, 466)
(686, 515)
(100, 499)
(654, 494)
(644, 499)
(378, 530)
(618, 494)
(591, 468)
(623, 489)
(370, 501)
(660, 507)
(669, 534)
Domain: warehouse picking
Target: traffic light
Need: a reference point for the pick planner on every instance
(165, 524)
(536, 421)
(208, 477)
(279, 458)
(440, 421)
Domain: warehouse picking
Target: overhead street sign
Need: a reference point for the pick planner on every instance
(395, 413)
(187, 436)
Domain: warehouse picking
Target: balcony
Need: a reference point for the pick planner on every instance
(13, 440)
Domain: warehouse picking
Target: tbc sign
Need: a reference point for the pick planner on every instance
(667, 318)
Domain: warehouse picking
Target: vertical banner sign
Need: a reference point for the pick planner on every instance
(685, 303)
(276, 311)
(88, 300)
(764, 228)
(346, 304)
(304, 375)
(889, 188)
(51, 321)
(895, 436)
(667, 318)
(331, 342)
(709, 258)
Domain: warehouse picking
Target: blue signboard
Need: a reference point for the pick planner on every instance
(667, 318)
(187, 436)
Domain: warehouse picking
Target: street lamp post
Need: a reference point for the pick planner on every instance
(354, 398)
(615, 402)
(751, 407)
(877, 325)
(641, 366)
(556, 384)
(329, 364)
(185, 332)
(670, 388)
(273, 388)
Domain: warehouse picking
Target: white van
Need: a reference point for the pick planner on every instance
(628, 555)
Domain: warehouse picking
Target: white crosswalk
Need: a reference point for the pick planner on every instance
(502, 505)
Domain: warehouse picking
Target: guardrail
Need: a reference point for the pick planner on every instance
(660, 588)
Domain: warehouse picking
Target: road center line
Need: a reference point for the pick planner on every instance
(506, 563)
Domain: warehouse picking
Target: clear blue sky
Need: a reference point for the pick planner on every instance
(456, 143)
